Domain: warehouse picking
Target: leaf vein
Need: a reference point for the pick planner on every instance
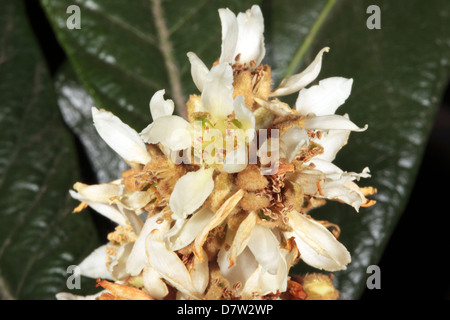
(166, 48)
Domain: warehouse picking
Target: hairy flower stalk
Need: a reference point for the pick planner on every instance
(217, 206)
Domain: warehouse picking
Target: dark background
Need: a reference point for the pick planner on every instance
(414, 264)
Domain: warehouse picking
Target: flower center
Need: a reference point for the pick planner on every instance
(215, 138)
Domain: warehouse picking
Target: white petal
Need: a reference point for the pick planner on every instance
(190, 192)
(242, 237)
(221, 214)
(229, 35)
(329, 169)
(266, 248)
(168, 264)
(137, 259)
(236, 160)
(317, 245)
(173, 132)
(199, 70)
(245, 116)
(276, 107)
(324, 98)
(159, 107)
(332, 141)
(124, 140)
(217, 95)
(133, 219)
(293, 139)
(94, 265)
(188, 230)
(331, 122)
(241, 271)
(299, 81)
(262, 282)
(153, 283)
(134, 201)
(199, 273)
(329, 182)
(346, 191)
(118, 264)
(250, 42)
(102, 193)
(109, 211)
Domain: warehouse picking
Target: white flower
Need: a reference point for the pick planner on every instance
(124, 140)
(169, 266)
(329, 182)
(184, 231)
(94, 265)
(172, 131)
(225, 229)
(137, 261)
(255, 259)
(190, 192)
(217, 100)
(317, 246)
(242, 35)
(217, 97)
(299, 81)
(102, 197)
(217, 94)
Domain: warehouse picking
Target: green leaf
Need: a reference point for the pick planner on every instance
(123, 53)
(39, 236)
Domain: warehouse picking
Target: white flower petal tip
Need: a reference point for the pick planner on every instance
(185, 231)
(221, 214)
(266, 248)
(137, 258)
(242, 35)
(298, 81)
(173, 132)
(236, 161)
(101, 198)
(169, 265)
(241, 238)
(245, 116)
(324, 98)
(94, 265)
(317, 245)
(292, 141)
(229, 35)
(199, 70)
(217, 94)
(190, 192)
(276, 107)
(160, 107)
(332, 122)
(124, 140)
